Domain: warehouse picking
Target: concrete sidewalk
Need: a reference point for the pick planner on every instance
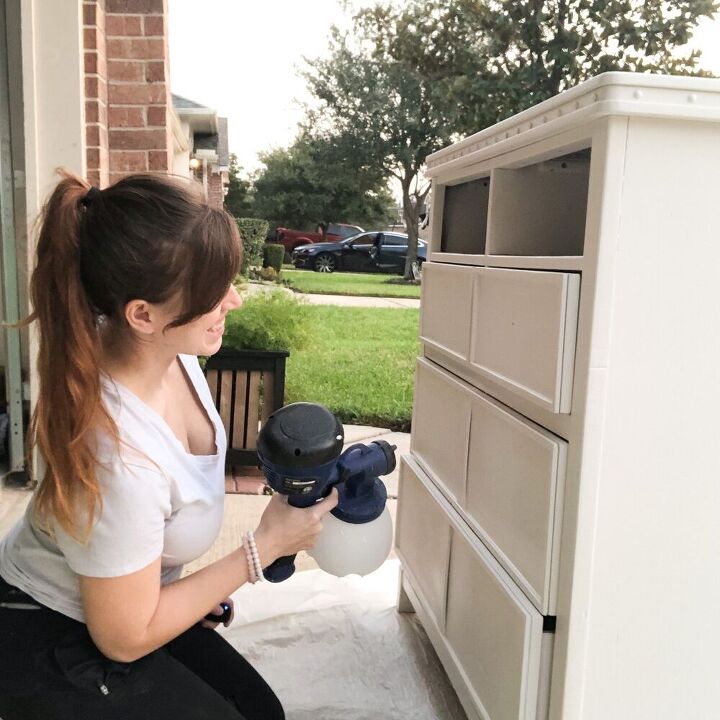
(361, 301)
(345, 300)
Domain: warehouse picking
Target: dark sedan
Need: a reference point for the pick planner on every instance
(366, 252)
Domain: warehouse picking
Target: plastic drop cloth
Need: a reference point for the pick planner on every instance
(337, 648)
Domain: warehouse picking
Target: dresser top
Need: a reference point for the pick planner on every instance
(614, 93)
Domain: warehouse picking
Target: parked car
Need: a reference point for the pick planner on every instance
(290, 239)
(366, 252)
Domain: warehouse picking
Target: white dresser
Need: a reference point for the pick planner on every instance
(559, 512)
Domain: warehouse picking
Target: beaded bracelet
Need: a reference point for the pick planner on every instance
(252, 556)
(252, 575)
(255, 555)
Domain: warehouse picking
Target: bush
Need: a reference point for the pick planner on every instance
(272, 320)
(267, 274)
(273, 255)
(253, 233)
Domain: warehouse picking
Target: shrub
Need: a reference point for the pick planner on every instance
(273, 255)
(266, 274)
(253, 233)
(272, 320)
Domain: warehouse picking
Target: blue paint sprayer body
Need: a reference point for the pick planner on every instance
(300, 450)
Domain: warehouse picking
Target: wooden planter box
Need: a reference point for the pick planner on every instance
(247, 386)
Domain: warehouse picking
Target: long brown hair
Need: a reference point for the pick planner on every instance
(146, 237)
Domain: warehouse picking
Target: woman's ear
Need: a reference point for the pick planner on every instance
(142, 317)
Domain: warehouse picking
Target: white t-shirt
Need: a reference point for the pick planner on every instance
(160, 501)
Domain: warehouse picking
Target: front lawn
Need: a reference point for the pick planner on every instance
(344, 283)
(360, 364)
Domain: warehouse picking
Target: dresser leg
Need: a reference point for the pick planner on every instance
(403, 604)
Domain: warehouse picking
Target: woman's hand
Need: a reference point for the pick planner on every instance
(219, 610)
(286, 530)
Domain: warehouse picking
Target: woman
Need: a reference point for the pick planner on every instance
(132, 283)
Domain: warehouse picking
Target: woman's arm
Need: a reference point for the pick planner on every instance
(132, 615)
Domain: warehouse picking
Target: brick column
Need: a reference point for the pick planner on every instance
(96, 93)
(140, 135)
(215, 190)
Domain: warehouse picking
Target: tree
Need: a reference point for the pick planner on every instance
(238, 201)
(499, 57)
(409, 79)
(384, 104)
(321, 179)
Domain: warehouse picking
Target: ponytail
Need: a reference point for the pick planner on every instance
(69, 407)
(146, 236)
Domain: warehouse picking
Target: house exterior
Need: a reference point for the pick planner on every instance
(205, 136)
(84, 84)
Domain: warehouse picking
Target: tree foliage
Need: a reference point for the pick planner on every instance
(238, 201)
(411, 77)
(321, 178)
(370, 93)
(495, 58)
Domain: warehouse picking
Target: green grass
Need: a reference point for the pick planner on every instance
(344, 283)
(360, 364)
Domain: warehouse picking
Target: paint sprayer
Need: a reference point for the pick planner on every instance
(300, 449)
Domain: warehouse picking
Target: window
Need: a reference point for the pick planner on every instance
(395, 240)
(363, 240)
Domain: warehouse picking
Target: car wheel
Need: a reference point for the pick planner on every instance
(325, 262)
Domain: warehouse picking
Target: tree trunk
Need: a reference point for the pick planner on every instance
(411, 213)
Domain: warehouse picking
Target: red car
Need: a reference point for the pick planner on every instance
(290, 239)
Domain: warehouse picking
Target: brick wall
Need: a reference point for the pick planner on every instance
(215, 191)
(96, 92)
(132, 79)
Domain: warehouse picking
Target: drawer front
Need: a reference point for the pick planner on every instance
(494, 632)
(515, 477)
(504, 474)
(524, 331)
(441, 427)
(422, 538)
(447, 292)
(491, 629)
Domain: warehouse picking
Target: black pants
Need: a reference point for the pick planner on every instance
(50, 669)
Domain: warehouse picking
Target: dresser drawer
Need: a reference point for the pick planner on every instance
(504, 474)
(513, 497)
(524, 331)
(492, 635)
(441, 427)
(447, 292)
(422, 538)
(515, 328)
(496, 634)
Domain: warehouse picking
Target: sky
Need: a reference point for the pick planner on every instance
(241, 57)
